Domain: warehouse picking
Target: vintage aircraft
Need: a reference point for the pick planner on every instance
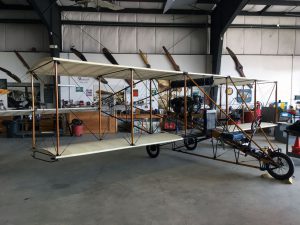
(186, 120)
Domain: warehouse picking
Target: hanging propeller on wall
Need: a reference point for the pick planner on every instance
(178, 3)
(238, 66)
(11, 75)
(82, 58)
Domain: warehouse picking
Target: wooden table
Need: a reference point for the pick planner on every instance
(91, 122)
(139, 116)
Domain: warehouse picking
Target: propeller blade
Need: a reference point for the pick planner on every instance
(144, 58)
(112, 60)
(82, 57)
(108, 5)
(103, 80)
(25, 64)
(11, 75)
(109, 56)
(238, 66)
(171, 59)
(78, 54)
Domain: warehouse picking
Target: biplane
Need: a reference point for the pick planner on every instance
(186, 120)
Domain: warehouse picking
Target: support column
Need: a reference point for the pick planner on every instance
(150, 87)
(227, 103)
(33, 112)
(185, 106)
(243, 109)
(169, 96)
(100, 108)
(56, 108)
(226, 92)
(255, 106)
(50, 14)
(276, 102)
(220, 100)
(131, 107)
(221, 18)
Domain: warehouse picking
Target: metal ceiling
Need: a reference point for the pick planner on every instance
(202, 7)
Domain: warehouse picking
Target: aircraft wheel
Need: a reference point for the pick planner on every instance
(190, 143)
(285, 168)
(153, 150)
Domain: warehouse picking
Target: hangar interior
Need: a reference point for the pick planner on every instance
(202, 39)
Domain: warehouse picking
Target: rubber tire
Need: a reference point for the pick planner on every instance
(289, 162)
(153, 150)
(189, 145)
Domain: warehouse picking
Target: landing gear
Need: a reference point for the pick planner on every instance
(153, 150)
(191, 143)
(283, 168)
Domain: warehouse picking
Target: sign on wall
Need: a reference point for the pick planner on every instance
(246, 94)
(3, 84)
(89, 92)
(79, 89)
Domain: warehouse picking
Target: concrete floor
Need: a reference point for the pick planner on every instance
(127, 187)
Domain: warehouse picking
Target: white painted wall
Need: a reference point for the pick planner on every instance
(266, 53)
(284, 69)
(9, 61)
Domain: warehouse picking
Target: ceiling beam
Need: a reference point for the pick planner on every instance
(162, 1)
(136, 10)
(21, 21)
(275, 2)
(208, 1)
(141, 1)
(15, 7)
(275, 14)
(264, 9)
(134, 24)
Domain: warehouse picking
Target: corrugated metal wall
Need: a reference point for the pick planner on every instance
(22, 37)
(263, 41)
(131, 39)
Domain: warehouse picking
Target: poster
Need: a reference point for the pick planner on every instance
(83, 80)
(79, 89)
(3, 84)
(89, 92)
(246, 94)
(135, 93)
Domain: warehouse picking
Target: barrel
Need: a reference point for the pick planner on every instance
(77, 130)
(249, 116)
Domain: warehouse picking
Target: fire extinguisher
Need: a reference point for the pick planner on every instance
(258, 109)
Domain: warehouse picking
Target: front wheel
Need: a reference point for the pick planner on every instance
(153, 150)
(283, 168)
(191, 143)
